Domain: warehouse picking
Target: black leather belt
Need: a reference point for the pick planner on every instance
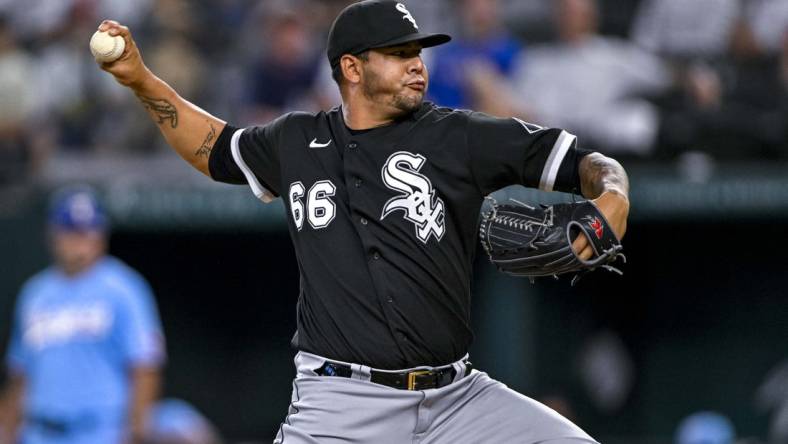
(412, 380)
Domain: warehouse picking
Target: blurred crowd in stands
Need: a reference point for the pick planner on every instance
(648, 79)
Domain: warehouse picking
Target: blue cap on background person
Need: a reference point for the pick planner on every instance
(77, 208)
(705, 428)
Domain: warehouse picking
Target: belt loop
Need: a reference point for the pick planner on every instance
(306, 363)
(361, 372)
(459, 371)
(460, 368)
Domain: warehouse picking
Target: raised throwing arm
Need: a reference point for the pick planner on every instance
(189, 130)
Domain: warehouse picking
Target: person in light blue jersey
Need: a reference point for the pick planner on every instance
(86, 345)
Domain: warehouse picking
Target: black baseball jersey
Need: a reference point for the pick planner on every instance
(384, 221)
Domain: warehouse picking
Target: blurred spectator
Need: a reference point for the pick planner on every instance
(693, 37)
(131, 13)
(750, 120)
(591, 85)
(324, 88)
(772, 397)
(176, 17)
(173, 53)
(324, 91)
(68, 94)
(705, 428)
(174, 421)
(34, 20)
(16, 105)
(282, 75)
(607, 371)
(529, 19)
(719, 87)
(482, 40)
(64, 91)
(768, 20)
(86, 343)
(686, 30)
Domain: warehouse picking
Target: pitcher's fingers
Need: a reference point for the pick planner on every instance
(107, 24)
(580, 243)
(116, 29)
(120, 30)
(582, 247)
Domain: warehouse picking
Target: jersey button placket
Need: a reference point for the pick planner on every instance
(352, 145)
(358, 182)
(364, 221)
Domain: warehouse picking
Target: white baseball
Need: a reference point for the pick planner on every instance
(106, 48)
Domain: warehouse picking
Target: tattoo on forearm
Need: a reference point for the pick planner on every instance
(207, 144)
(599, 174)
(162, 109)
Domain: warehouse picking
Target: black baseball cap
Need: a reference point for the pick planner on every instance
(373, 24)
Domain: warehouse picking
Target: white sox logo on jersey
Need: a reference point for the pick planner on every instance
(401, 8)
(419, 201)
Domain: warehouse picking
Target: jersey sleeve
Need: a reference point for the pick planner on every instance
(139, 328)
(250, 156)
(511, 151)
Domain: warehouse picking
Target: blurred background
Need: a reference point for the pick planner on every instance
(690, 95)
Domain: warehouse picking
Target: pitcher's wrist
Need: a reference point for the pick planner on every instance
(146, 84)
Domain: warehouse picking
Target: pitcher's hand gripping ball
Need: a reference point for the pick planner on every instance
(537, 241)
(106, 48)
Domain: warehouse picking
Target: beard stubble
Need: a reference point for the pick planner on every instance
(374, 89)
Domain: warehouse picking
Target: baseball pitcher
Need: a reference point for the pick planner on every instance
(383, 195)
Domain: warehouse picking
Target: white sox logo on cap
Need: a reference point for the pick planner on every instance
(419, 201)
(371, 24)
(401, 8)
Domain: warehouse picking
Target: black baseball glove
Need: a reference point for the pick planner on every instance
(537, 241)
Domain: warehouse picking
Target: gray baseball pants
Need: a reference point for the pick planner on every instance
(475, 409)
